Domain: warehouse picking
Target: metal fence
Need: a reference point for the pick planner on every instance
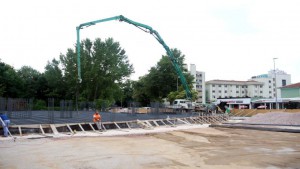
(65, 111)
(11, 105)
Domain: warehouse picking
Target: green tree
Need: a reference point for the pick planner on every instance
(127, 92)
(140, 89)
(161, 79)
(10, 83)
(69, 67)
(31, 82)
(55, 81)
(104, 65)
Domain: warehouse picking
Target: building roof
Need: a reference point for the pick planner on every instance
(233, 82)
(295, 85)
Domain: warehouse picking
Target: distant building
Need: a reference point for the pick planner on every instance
(282, 79)
(291, 91)
(199, 83)
(233, 89)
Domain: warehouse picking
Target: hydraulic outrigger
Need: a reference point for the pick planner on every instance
(143, 27)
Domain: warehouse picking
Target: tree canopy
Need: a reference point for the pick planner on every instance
(161, 79)
(105, 76)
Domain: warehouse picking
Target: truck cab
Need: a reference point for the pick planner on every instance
(183, 103)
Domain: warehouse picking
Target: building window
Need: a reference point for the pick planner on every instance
(225, 91)
(270, 87)
(213, 85)
(283, 82)
(237, 86)
(237, 91)
(269, 81)
(220, 91)
(261, 86)
(270, 92)
(219, 85)
(243, 92)
(213, 91)
(260, 91)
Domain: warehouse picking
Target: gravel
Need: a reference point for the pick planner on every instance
(276, 118)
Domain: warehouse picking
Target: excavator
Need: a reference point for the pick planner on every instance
(143, 27)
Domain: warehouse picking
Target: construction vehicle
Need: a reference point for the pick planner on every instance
(183, 104)
(145, 28)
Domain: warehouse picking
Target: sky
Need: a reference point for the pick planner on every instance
(226, 39)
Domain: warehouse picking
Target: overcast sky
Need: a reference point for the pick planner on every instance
(227, 39)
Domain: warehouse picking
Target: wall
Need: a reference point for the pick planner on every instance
(290, 92)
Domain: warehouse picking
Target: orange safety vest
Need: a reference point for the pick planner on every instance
(97, 117)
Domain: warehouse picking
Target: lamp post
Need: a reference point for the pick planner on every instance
(276, 107)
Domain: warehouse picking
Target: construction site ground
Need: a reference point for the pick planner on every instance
(186, 146)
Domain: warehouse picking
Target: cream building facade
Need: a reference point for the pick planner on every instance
(232, 89)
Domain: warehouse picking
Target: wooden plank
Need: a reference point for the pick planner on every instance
(92, 127)
(163, 122)
(183, 121)
(155, 123)
(149, 124)
(70, 128)
(117, 125)
(20, 130)
(143, 124)
(42, 130)
(81, 127)
(128, 125)
(53, 128)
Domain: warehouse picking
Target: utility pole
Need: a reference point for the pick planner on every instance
(276, 106)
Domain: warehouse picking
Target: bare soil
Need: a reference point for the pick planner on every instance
(207, 148)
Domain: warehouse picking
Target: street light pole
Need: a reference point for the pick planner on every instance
(275, 84)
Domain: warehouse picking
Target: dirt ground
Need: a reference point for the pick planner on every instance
(207, 148)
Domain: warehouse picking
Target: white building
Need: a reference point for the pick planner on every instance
(199, 83)
(282, 79)
(233, 89)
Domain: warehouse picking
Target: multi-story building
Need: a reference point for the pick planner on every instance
(270, 84)
(291, 91)
(231, 89)
(199, 83)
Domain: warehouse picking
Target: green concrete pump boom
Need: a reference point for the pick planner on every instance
(145, 28)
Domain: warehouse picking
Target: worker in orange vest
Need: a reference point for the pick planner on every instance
(97, 120)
